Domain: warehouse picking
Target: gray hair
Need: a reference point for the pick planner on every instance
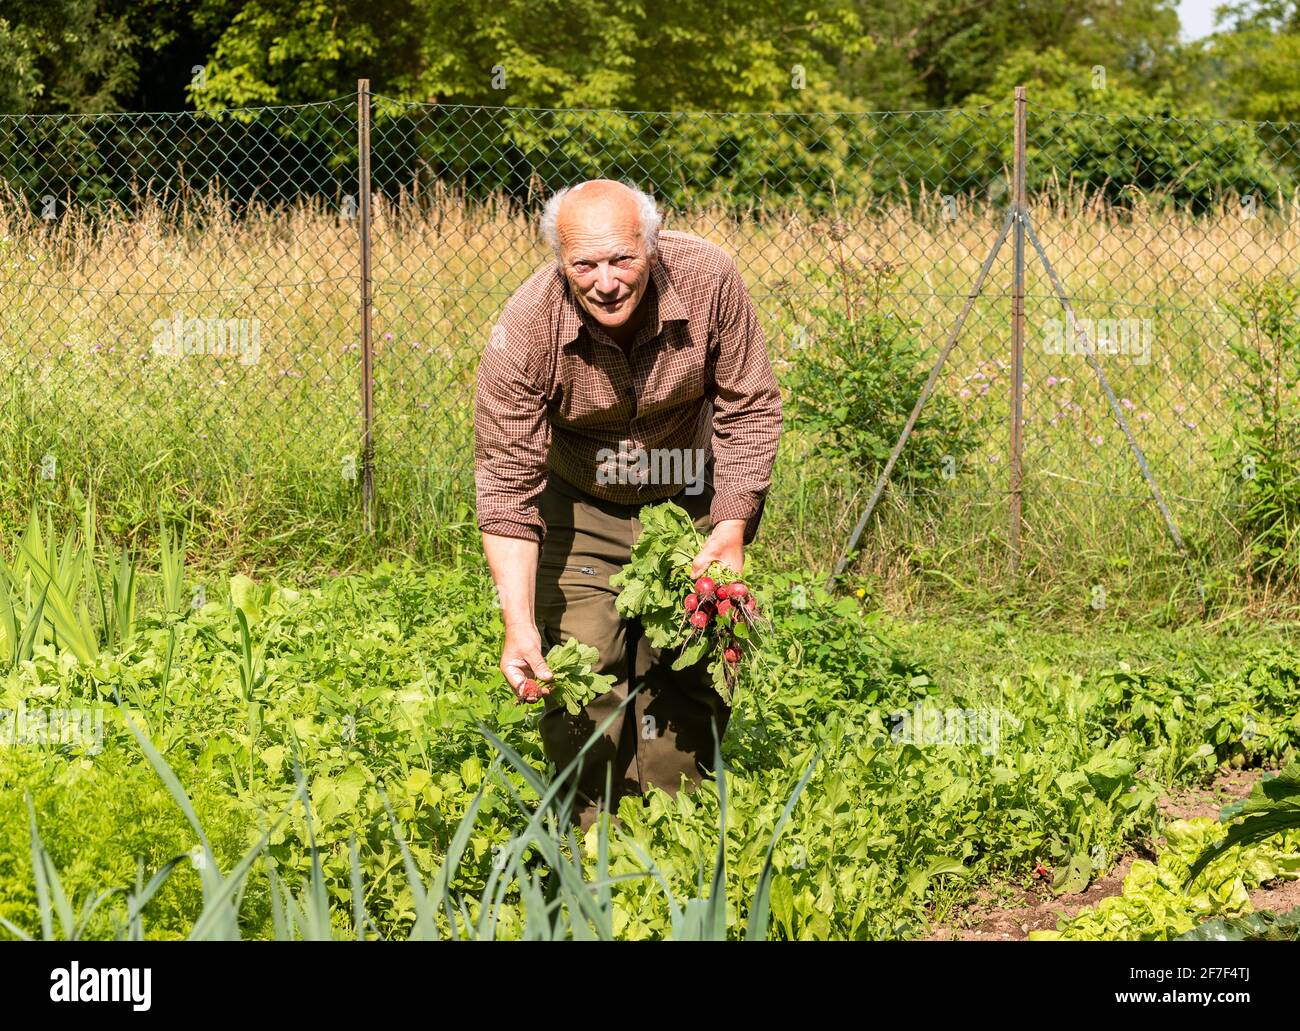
(647, 211)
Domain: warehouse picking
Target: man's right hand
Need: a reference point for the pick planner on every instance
(521, 658)
(513, 562)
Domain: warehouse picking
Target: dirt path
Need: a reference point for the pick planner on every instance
(1010, 913)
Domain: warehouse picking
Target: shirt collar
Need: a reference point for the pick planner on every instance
(671, 307)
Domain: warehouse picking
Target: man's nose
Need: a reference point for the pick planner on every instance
(606, 281)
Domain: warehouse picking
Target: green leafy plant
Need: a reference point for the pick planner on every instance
(657, 587)
(171, 565)
(1262, 455)
(51, 897)
(857, 373)
(41, 565)
(378, 688)
(1193, 879)
(1272, 808)
(579, 909)
(61, 594)
(573, 683)
(1263, 926)
(658, 574)
(20, 635)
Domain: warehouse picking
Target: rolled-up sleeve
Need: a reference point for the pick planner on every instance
(746, 409)
(512, 432)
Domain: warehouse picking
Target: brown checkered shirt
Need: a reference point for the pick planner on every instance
(554, 391)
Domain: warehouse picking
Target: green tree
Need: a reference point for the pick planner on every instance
(91, 56)
(654, 55)
(1248, 15)
(938, 52)
(1118, 139)
(653, 58)
(63, 55)
(1258, 60)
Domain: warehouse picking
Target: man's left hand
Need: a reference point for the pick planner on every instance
(726, 545)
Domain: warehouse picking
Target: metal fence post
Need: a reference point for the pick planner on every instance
(367, 345)
(1017, 331)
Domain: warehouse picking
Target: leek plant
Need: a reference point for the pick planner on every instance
(41, 565)
(580, 908)
(56, 592)
(171, 564)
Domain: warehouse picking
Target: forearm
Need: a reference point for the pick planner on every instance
(513, 562)
(746, 412)
(729, 532)
(746, 436)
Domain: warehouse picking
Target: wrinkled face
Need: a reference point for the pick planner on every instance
(604, 258)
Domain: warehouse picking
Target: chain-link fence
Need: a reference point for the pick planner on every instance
(185, 291)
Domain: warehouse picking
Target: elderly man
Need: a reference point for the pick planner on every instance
(633, 341)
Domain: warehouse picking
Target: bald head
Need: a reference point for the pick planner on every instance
(595, 208)
(600, 202)
(596, 192)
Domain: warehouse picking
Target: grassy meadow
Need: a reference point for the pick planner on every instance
(261, 458)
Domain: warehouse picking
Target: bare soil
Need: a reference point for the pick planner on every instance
(1009, 912)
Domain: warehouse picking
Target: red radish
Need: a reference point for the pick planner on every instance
(692, 602)
(530, 691)
(724, 607)
(722, 592)
(705, 586)
(699, 619)
(737, 590)
(732, 653)
(750, 603)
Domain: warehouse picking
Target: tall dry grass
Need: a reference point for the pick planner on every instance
(260, 458)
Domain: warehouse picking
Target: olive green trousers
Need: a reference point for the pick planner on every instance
(664, 736)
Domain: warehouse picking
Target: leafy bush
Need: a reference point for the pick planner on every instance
(856, 375)
(1124, 144)
(1263, 454)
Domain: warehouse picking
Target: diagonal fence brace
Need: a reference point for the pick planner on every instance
(883, 480)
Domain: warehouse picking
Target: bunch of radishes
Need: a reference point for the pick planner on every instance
(722, 607)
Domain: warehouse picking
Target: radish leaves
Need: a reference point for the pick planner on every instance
(573, 681)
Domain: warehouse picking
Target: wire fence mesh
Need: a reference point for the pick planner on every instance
(185, 288)
(181, 288)
(1159, 238)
